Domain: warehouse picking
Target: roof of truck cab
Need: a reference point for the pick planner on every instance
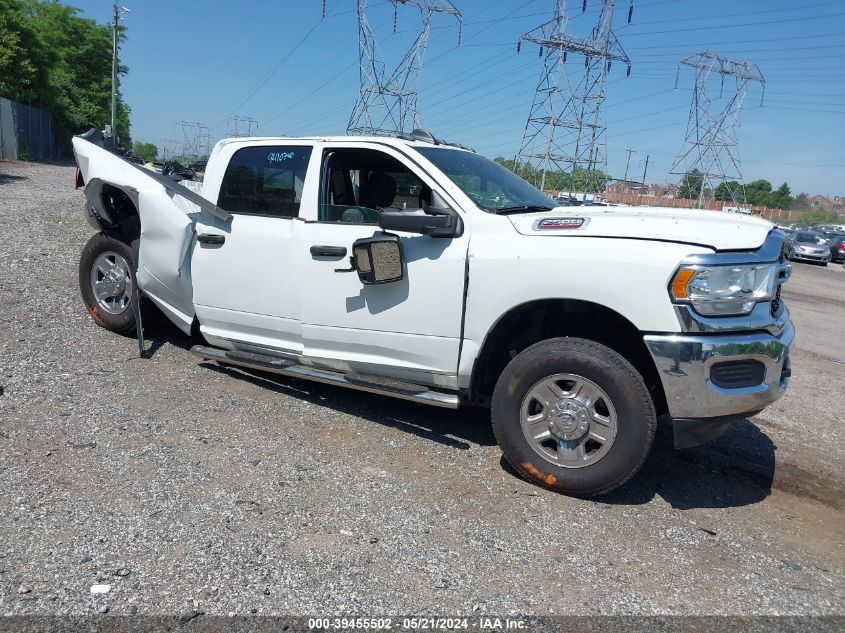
(384, 140)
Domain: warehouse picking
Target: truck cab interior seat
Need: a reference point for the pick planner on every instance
(378, 190)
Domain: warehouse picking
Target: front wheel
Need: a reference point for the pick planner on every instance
(574, 416)
(107, 282)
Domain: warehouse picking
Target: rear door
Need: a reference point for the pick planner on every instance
(247, 272)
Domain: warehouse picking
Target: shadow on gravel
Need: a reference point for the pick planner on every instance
(456, 429)
(158, 332)
(737, 469)
(734, 470)
(7, 178)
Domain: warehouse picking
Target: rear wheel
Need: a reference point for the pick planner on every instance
(107, 281)
(574, 416)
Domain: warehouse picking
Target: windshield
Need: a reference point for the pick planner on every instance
(489, 185)
(812, 238)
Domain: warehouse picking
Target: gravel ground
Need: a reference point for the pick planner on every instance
(184, 485)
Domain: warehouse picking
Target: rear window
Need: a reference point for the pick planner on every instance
(814, 238)
(265, 180)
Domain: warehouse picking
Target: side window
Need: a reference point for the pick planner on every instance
(265, 180)
(357, 184)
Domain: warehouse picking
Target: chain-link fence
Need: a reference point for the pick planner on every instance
(26, 133)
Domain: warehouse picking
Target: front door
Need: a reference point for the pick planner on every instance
(247, 284)
(409, 329)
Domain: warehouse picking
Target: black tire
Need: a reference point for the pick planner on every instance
(636, 418)
(124, 321)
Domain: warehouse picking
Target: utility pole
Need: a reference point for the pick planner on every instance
(566, 128)
(627, 163)
(711, 143)
(387, 103)
(116, 13)
(645, 170)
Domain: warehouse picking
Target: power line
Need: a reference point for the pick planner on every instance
(818, 36)
(250, 93)
(734, 26)
(738, 15)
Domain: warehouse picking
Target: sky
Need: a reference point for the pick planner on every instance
(296, 73)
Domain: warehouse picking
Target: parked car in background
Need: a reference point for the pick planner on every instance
(837, 248)
(809, 246)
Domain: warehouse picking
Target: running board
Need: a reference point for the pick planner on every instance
(361, 382)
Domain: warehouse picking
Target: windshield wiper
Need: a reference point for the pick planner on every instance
(523, 208)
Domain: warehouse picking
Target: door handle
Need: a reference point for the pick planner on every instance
(328, 251)
(210, 238)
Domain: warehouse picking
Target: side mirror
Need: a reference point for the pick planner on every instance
(378, 260)
(419, 221)
(438, 220)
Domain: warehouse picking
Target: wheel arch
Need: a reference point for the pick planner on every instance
(536, 320)
(114, 210)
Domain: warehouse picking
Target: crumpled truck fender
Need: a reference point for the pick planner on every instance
(167, 213)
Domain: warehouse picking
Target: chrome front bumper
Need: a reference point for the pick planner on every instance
(811, 257)
(684, 364)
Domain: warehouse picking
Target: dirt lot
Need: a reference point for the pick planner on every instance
(188, 486)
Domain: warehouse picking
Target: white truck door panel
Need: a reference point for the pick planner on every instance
(247, 280)
(408, 329)
(399, 328)
(246, 289)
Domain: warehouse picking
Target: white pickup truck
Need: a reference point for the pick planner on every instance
(409, 267)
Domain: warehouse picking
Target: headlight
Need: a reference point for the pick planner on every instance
(724, 290)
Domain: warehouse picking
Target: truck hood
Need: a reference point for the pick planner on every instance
(713, 229)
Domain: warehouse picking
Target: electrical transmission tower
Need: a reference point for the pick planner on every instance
(196, 140)
(566, 128)
(710, 154)
(387, 103)
(241, 126)
(171, 149)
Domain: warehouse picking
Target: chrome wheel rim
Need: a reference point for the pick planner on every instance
(568, 420)
(111, 282)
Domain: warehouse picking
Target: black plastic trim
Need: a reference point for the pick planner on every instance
(691, 432)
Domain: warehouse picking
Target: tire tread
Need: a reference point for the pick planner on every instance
(594, 349)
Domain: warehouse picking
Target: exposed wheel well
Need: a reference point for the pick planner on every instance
(533, 322)
(124, 221)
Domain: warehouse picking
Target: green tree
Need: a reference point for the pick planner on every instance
(580, 179)
(820, 216)
(782, 198)
(52, 58)
(801, 202)
(759, 192)
(728, 190)
(147, 151)
(23, 67)
(690, 185)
